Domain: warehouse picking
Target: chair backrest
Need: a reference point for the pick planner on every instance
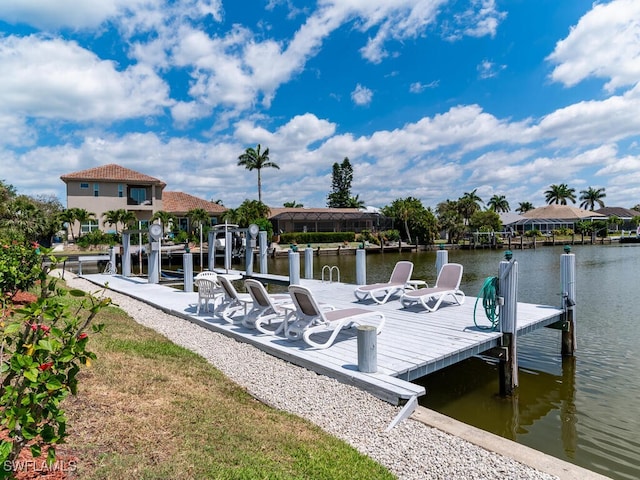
(401, 272)
(209, 275)
(258, 293)
(229, 290)
(207, 287)
(450, 276)
(304, 301)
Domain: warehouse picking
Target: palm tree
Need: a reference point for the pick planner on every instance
(81, 215)
(499, 203)
(67, 217)
(524, 207)
(469, 204)
(559, 194)
(253, 159)
(113, 217)
(591, 196)
(355, 202)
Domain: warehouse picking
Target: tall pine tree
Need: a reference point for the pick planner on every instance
(341, 185)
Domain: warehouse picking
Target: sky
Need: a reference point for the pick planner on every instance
(427, 98)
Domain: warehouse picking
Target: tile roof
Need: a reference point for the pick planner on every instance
(112, 173)
(618, 212)
(181, 203)
(560, 212)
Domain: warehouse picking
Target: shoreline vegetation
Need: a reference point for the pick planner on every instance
(349, 248)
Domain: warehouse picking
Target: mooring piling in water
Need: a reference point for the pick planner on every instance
(508, 315)
(568, 282)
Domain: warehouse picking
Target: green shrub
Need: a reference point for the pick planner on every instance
(317, 237)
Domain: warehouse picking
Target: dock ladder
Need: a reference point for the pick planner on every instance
(330, 269)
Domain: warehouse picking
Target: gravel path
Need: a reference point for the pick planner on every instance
(411, 450)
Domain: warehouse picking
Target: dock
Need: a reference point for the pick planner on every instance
(413, 343)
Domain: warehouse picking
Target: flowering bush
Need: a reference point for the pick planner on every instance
(43, 345)
(19, 268)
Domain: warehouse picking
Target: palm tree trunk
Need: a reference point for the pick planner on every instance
(259, 187)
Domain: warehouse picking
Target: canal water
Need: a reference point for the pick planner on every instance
(584, 409)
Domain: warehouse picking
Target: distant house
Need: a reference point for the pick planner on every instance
(179, 203)
(324, 220)
(113, 187)
(551, 217)
(624, 214)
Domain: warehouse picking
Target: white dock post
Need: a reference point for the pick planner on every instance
(308, 263)
(294, 268)
(361, 266)
(153, 266)
(211, 250)
(126, 254)
(508, 287)
(442, 258)
(263, 251)
(367, 338)
(112, 260)
(228, 247)
(568, 282)
(187, 266)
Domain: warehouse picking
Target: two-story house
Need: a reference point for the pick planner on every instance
(113, 187)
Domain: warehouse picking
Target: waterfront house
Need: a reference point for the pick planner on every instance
(113, 187)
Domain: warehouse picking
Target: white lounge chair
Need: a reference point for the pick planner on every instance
(232, 301)
(208, 291)
(397, 284)
(447, 287)
(311, 319)
(266, 309)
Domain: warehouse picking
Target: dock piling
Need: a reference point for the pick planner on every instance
(294, 268)
(308, 263)
(361, 266)
(187, 266)
(568, 282)
(367, 343)
(508, 287)
(442, 258)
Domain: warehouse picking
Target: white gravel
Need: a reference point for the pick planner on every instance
(411, 450)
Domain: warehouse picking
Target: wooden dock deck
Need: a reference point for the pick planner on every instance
(412, 344)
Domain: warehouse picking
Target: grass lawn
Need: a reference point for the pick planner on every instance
(148, 409)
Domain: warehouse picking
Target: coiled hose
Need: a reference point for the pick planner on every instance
(489, 295)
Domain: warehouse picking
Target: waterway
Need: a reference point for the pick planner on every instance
(584, 409)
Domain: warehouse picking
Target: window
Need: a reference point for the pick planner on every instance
(120, 190)
(89, 226)
(96, 189)
(138, 195)
(84, 186)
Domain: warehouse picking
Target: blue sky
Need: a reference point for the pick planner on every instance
(427, 98)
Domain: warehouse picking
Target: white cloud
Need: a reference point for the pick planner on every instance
(361, 95)
(80, 14)
(487, 69)
(418, 87)
(604, 44)
(53, 78)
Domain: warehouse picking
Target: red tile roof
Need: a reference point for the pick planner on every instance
(112, 173)
(181, 203)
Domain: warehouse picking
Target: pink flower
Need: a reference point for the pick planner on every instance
(82, 336)
(34, 326)
(45, 328)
